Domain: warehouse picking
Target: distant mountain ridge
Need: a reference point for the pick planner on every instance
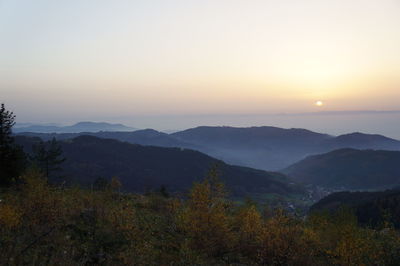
(248, 137)
(149, 137)
(275, 148)
(349, 169)
(267, 148)
(76, 128)
(359, 140)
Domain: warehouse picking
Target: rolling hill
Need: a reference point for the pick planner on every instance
(362, 141)
(275, 148)
(349, 169)
(258, 147)
(371, 208)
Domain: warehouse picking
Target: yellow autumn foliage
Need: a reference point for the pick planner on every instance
(9, 216)
(205, 219)
(43, 224)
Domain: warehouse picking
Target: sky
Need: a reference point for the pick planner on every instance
(148, 62)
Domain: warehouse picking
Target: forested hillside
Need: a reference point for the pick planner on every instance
(142, 168)
(371, 208)
(349, 169)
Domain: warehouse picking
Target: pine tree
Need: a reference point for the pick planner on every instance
(12, 158)
(7, 121)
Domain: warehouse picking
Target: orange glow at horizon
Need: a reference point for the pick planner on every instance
(200, 57)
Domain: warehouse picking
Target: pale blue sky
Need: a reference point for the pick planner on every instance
(74, 60)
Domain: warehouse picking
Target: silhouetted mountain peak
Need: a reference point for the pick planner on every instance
(363, 141)
(363, 136)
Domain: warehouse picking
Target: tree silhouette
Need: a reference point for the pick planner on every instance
(12, 158)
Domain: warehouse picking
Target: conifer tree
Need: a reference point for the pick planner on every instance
(12, 157)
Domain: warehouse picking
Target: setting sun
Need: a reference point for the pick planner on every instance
(319, 103)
